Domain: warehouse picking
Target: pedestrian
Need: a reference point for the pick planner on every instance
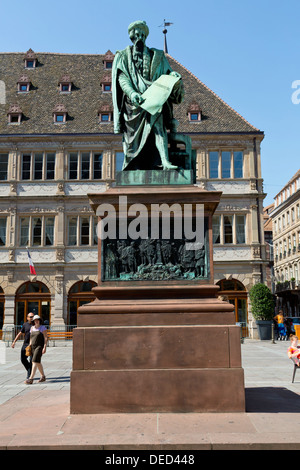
(294, 351)
(38, 342)
(280, 325)
(26, 361)
(288, 323)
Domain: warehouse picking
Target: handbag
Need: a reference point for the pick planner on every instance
(28, 350)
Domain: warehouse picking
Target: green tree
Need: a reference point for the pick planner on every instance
(262, 302)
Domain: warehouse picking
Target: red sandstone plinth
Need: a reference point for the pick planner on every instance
(157, 346)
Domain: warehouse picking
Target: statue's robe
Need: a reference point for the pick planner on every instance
(135, 123)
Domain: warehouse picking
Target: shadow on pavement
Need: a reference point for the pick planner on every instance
(271, 400)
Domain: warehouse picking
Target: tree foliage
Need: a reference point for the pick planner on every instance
(262, 302)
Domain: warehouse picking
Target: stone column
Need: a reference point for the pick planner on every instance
(57, 300)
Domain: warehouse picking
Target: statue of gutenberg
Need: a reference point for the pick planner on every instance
(145, 139)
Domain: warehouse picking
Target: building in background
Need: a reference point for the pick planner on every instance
(57, 144)
(268, 234)
(286, 240)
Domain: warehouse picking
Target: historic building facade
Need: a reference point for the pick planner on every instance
(57, 145)
(286, 241)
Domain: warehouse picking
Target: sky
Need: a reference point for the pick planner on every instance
(246, 51)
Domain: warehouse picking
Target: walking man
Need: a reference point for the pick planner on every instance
(26, 361)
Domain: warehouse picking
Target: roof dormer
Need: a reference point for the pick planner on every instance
(108, 60)
(65, 84)
(194, 112)
(14, 114)
(106, 83)
(23, 84)
(59, 114)
(105, 113)
(30, 59)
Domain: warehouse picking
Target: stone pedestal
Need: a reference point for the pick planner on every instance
(157, 346)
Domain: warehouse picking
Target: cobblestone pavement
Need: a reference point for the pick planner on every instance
(271, 419)
(57, 363)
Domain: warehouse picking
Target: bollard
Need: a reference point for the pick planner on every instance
(272, 334)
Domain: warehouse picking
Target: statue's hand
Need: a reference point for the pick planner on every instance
(175, 74)
(137, 99)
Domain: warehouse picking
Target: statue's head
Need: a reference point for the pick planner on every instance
(138, 31)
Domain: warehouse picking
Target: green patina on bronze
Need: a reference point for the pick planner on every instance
(145, 135)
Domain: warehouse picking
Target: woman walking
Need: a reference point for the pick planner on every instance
(38, 342)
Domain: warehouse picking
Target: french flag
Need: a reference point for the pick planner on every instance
(31, 265)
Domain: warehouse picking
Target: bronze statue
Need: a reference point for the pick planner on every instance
(135, 69)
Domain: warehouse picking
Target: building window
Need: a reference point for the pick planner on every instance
(97, 166)
(194, 112)
(216, 229)
(108, 64)
(194, 117)
(32, 297)
(79, 294)
(85, 165)
(3, 231)
(14, 114)
(3, 166)
(38, 166)
(119, 160)
(105, 113)
(30, 59)
(229, 229)
(23, 84)
(226, 164)
(82, 230)
(37, 231)
(106, 83)
(105, 117)
(240, 229)
(65, 84)
(108, 60)
(214, 164)
(60, 114)
(238, 164)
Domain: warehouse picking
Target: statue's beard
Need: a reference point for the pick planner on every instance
(139, 45)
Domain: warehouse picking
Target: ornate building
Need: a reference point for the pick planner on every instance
(286, 240)
(57, 144)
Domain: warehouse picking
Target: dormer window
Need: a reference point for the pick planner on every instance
(14, 114)
(105, 114)
(106, 83)
(59, 114)
(30, 59)
(23, 84)
(65, 84)
(194, 112)
(108, 60)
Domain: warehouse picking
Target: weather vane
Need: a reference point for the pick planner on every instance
(165, 23)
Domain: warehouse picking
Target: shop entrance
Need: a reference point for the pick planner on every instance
(33, 297)
(237, 296)
(79, 294)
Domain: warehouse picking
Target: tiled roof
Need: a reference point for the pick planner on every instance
(85, 100)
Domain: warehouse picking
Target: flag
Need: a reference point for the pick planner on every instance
(31, 266)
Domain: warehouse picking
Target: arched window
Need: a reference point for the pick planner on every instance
(32, 297)
(237, 296)
(2, 300)
(79, 294)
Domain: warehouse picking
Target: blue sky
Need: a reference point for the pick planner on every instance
(246, 51)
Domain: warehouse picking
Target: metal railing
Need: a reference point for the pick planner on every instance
(8, 333)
